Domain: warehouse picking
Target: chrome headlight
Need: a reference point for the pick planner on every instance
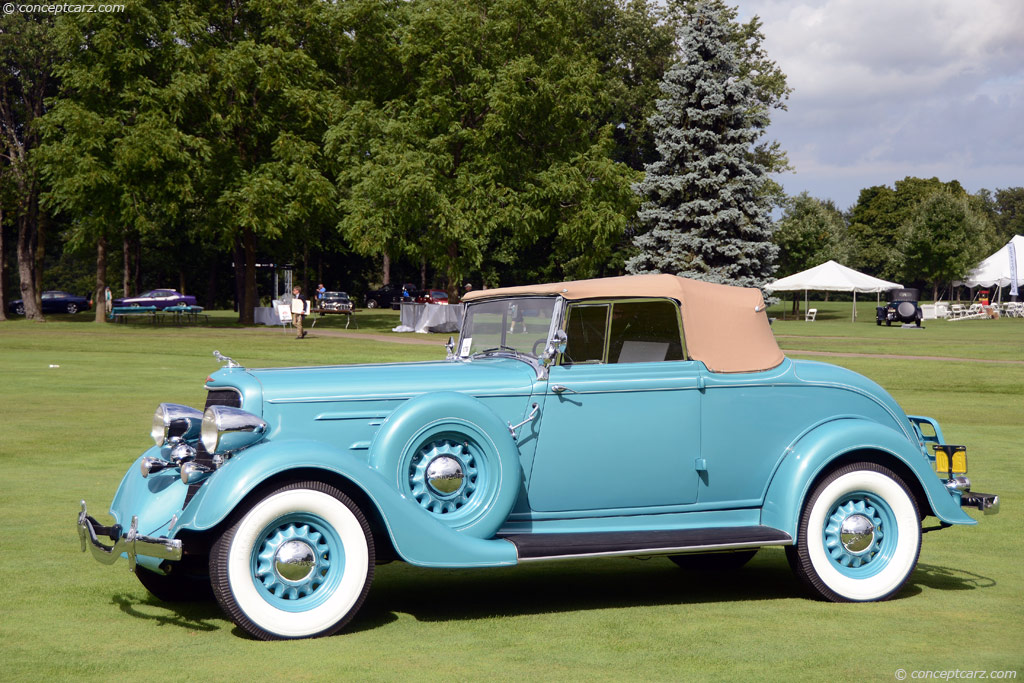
(172, 419)
(227, 429)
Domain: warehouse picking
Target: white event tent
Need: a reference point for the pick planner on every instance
(1001, 269)
(831, 277)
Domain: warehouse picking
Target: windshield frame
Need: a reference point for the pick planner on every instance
(524, 355)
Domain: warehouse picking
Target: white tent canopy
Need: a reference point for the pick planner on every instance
(831, 277)
(1001, 268)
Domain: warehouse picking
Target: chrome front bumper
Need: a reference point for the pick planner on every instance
(129, 543)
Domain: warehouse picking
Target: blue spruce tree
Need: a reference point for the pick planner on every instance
(704, 215)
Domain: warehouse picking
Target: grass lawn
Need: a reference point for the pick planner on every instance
(69, 433)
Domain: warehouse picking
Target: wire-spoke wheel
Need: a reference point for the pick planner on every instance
(297, 564)
(859, 536)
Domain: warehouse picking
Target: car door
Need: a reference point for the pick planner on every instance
(621, 412)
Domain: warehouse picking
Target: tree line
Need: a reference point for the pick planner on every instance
(188, 143)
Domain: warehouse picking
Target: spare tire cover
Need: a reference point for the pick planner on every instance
(906, 310)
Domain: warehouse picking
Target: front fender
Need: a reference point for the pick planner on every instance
(417, 537)
(815, 450)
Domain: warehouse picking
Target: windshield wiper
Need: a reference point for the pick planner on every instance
(487, 352)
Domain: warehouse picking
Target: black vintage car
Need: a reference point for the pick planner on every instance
(902, 308)
(391, 295)
(54, 302)
(334, 302)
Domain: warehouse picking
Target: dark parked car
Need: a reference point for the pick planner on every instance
(54, 302)
(902, 308)
(161, 298)
(335, 302)
(391, 295)
(433, 296)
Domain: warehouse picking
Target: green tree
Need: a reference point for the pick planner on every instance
(117, 164)
(1005, 208)
(495, 145)
(26, 81)
(943, 239)
(810, 232)
(876, 218)
(267, 95)
(705, 215)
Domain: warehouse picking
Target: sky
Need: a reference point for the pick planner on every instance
(884, 89)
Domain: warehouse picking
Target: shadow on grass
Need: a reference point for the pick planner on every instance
(192, 616)
(948, 578)
(572, 586)
(431, 595)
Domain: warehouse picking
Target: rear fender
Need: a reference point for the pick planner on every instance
(815, 451)
(417, 538)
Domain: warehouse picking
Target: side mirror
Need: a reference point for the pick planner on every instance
(556, 345)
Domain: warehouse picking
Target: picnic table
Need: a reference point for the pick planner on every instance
(179, 315)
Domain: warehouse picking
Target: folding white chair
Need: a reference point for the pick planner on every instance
(811, 314)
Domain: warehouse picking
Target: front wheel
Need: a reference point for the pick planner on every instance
(297, 564)
(859, 535)
(371, 303)
(72, 309)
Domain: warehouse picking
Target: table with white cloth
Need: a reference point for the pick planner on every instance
(425, 318)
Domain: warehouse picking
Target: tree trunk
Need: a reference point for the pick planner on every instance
(99, 297)
(453, 274)
(423, 272)
(246, 316)
(181, 281)
(28, 246)
(239, 259)
(126, 279)
(385, 274)
(935, 291)
(3, 267)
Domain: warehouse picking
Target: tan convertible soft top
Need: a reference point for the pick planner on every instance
(725, 327)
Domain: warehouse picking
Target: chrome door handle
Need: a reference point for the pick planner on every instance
(560, 388)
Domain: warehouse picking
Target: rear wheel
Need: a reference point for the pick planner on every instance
(72, 309)
(859, 535)
(297, 564)
(371, 303)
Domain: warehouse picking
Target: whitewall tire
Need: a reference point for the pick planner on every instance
(297, 564)
(859, 535)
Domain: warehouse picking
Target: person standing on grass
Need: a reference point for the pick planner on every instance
(298, 312)
(108, 301)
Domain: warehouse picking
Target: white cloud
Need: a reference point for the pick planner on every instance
(889, 88)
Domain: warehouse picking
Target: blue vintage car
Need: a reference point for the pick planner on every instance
(645, 415)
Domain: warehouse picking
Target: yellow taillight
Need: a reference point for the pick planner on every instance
(950, 460)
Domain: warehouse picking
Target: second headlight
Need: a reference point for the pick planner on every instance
(227, 429)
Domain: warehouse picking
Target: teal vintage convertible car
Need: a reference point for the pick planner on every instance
(645, 415)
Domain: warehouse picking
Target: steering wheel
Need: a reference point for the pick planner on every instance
(540, 342)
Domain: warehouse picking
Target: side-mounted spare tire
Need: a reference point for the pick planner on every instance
(452, 456)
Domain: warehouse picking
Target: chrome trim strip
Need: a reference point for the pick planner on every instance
(658, 551)
(131, 543)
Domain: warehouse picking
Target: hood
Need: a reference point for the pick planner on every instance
(483, 377)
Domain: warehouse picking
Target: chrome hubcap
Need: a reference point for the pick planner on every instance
(444, 475)
(294, 561)
(857, 533)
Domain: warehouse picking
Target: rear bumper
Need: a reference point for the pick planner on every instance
(129, 543)
(986, 502)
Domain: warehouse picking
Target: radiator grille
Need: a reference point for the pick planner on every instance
(223, 397)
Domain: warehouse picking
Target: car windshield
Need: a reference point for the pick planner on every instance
(519, 325)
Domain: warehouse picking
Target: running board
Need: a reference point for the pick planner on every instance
(552, 546)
